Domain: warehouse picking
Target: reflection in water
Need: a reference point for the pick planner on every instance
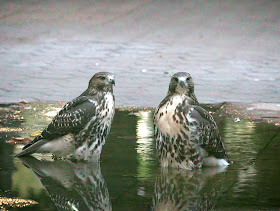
(135, 180)
(245, 176)
(72, 186)
(174, 189)
(241, 140)
(244, 146)
(144, 132)
(145, 142)
(180, 189)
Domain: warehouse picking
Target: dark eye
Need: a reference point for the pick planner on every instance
(175, 79)
(102, 78)
(189, 78)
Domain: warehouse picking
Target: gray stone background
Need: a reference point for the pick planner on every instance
(50, 49)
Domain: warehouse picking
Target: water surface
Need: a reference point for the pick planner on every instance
(129, 177)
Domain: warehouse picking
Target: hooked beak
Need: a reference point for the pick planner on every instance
(111, 80)
(182, 82)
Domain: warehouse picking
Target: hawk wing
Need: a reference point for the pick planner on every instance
(70, 119)
(209, 135)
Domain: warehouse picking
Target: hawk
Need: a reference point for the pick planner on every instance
(72, 185)
(81, 127)
(186, 134)
(181, 189)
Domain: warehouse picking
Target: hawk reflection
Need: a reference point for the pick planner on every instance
(179, 189)
(72, 186)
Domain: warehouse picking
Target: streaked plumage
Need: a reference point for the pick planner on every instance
(72, 186)
(181, 189)
(186, 134)
(81, 127)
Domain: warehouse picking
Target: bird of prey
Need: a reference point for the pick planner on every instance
(72, 185)
(181, 189)
(81, 127)
(186, 134)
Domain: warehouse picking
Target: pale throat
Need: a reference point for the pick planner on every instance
(165, 120)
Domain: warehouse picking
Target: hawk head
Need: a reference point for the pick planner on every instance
(101, 81)
(181, 83)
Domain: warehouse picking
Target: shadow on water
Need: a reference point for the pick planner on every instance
(131, 178)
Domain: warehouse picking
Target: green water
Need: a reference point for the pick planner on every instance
(129, 176)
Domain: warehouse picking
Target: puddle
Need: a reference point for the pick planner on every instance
(129, 177)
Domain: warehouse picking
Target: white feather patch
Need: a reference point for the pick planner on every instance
(212, 161)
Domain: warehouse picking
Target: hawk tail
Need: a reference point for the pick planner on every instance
(31, 148)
